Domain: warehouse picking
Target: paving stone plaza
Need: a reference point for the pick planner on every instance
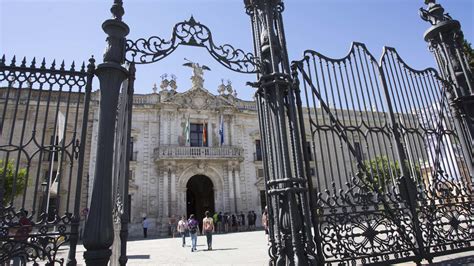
(246, 248)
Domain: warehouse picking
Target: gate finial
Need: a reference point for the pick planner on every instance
(117, 10)
(434, 14)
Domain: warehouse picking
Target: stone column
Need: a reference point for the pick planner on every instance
(228, 139)
(165, 194)
(230, 177)
(173, 193)
(237, 189)
(183, 202)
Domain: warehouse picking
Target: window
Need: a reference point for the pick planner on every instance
(196, 135)
(133, 155)
(260, 173)
(312, 171)
(258, 150)
(358, 150)
(308, 150)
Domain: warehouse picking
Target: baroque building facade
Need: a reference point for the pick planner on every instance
(192, 151)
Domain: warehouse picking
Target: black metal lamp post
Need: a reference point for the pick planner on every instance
(445, 38)
(98, 232)
(286, 181)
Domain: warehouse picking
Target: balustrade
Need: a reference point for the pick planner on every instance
(181, 152)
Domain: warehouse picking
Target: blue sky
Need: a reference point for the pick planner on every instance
(71, 30)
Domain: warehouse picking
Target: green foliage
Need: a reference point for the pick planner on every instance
(469, 52)
(380, 171)
(9, 176)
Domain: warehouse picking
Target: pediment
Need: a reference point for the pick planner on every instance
(199, 99)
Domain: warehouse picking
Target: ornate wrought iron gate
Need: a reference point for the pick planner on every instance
(393, 183)
(43, 126)
(122, 154)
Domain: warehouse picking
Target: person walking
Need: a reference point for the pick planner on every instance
(208, 229)
(234, 223)
(182, 229)
(219, 223)
(145, 224)
(226, 222)
(242, 219)
(250, 218)
(254, 219)
(193, 229)
(265, 223)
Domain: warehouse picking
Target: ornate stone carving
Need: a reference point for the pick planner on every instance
(199, 99)
(198, 73)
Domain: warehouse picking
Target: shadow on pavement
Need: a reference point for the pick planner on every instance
(220, 249)
(457, 261)
(138, 257)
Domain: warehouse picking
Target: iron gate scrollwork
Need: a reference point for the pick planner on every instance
(190, 33)
(121, 176)
(43, 123)
(392, 182)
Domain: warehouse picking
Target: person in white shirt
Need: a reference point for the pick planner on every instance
(183, 229)
(145, 226)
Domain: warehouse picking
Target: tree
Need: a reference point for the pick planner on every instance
(469, 52)
(9, 179)
(380, 171)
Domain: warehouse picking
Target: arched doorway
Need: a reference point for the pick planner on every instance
(199, 196)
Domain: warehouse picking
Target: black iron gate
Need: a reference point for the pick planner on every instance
(392, 181)
(43, 126)
(122, 156)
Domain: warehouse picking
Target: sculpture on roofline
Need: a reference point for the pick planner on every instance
(198, 72)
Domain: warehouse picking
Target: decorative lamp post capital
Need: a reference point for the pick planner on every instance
(445, 39)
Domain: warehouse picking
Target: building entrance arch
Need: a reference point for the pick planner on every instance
(199, 196)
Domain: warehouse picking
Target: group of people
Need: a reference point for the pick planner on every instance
(235, 222)
(191, 226)
(216, 223)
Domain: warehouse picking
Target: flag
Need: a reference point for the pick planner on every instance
(204, 134)
(221, 130)
(186, 131)
(54, 172)
(57, 142)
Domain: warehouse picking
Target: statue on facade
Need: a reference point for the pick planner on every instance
(198, 72)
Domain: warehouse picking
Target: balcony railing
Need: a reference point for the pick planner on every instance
(179, 152)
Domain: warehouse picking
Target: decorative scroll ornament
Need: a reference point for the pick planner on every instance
(190, 33)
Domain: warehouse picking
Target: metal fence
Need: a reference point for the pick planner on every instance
(43, 123)
(392, 181)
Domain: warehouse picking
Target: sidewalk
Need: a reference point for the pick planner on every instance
(245, 248)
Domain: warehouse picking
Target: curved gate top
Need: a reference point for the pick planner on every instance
(190, 33)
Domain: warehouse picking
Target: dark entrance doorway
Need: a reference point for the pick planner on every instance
(199, 196)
